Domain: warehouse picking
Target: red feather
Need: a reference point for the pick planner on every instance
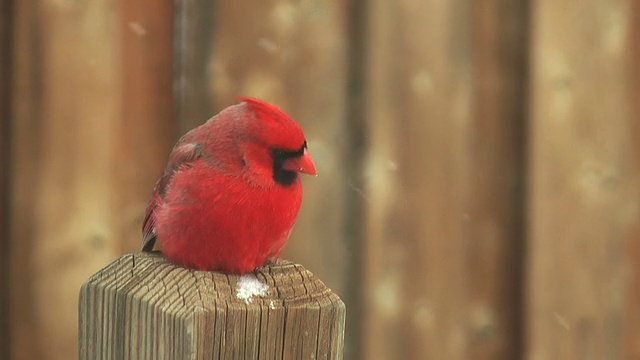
(230, 193)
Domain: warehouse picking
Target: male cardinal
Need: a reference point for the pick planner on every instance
(231, 192)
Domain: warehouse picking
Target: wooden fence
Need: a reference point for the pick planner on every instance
(479, 188)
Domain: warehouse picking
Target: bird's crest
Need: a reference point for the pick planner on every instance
(264, 110)
(283, 130)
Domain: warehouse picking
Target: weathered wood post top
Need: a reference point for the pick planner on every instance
(143, 307)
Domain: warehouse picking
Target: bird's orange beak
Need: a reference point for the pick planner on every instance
(302, 164)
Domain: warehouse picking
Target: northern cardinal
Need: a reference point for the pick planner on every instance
(231, 191)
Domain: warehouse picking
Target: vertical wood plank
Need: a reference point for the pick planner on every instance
(25, 159)
(585, 192)
(65, 104)
(444, 179)
(495, 210)
(193, 29)
(146, 126)
(631, 320)
(91, 130)
(6, 45)
(293, 54)
(356, 129)
(419, 108)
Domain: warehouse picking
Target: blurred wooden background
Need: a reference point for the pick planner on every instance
(479, 188)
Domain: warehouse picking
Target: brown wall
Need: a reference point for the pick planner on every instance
(479, 188)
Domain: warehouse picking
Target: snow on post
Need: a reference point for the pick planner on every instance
(143, 307)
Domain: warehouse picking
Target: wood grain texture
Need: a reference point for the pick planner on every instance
(83, 87)
(585, 195)
(631, 319)
(142, 306)
(497, 169)
(445, 113)
(419, 109)
(146, 127)
(355, 201)
(63, 107)
(193, 34)
(25, 160)
(6, 60)
(293, 54)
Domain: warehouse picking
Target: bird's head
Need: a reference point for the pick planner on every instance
(277, 144)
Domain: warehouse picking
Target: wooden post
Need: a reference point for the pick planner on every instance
(143, 307)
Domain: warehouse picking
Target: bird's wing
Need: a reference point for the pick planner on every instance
(180, 159)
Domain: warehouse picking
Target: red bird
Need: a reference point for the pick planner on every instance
(231, 192)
